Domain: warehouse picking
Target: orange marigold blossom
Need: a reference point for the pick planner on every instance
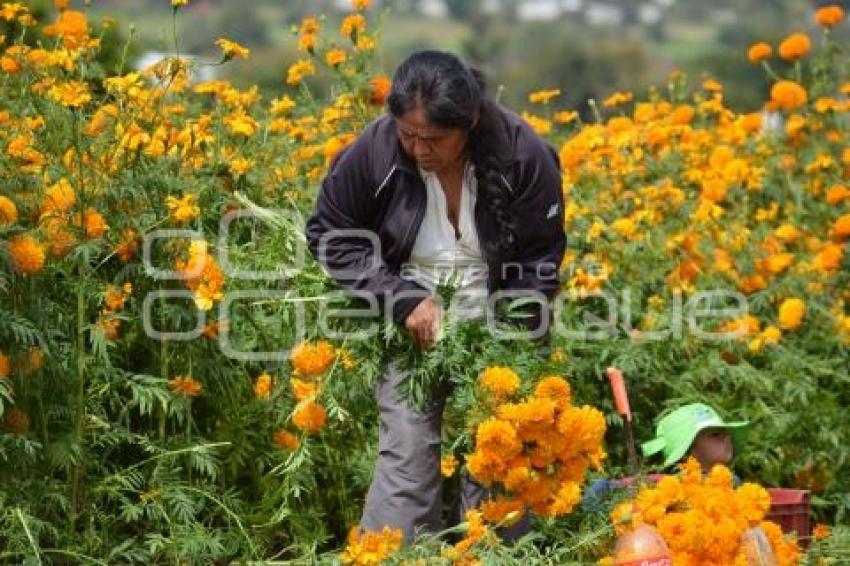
(795, 46)
(371, 548)
(829, 16)
(263, 386)
(8, 211)
(448, 465)
(841, 228)
(309, 416)
(379, 88)
(185, 385)
(286, 440)
(758, 52)
(26, 254)
(312, 358)
(499, 381)
(788, 94)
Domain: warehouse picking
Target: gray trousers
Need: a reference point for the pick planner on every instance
(407, 486)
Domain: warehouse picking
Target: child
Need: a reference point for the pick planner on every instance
(696, 430)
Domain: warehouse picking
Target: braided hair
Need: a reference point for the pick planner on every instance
(454, 96)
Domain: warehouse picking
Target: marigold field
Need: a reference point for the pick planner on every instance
(173, 391)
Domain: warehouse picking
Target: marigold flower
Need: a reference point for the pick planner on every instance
(183, 209)
(336, 57)
(543, 96)
(178, 3)
(352, 25)
(128, 246)
(829, 16)
(360, 5)
(448, 465)
(26, 254)
(788, 94)
(309, 416)
(311, 359)
(791, 313)
(617, 99)
(263, 386)
(72, 94)
(795, 46)
(379, 88)
(555, 388)
(499, 381)
(60, 197)
(185, 385)
(286, 440)
(371, 548)
(758, 52)
(841, 228)
(231, 49)
(821, 531)
(93, 224)
(298, 70)
(8, 211)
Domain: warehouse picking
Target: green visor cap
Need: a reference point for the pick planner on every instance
(676, 432)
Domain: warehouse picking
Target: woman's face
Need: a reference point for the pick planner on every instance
(434, 148)
(712, 446)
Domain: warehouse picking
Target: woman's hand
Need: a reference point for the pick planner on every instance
(423, 323)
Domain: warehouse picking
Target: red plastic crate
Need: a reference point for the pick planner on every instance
(790, 509)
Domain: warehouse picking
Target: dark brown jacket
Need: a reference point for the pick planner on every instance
(374, 186)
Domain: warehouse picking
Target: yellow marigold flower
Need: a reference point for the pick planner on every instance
(567, 497)
(360, 4)
(8, 211)
(282, 106)
(788, 94)
(5, 365)
(178, 3)
(353, 25)
(364, 43)
(448, 465)
(712, 85)
(300, 69)
(231, 49)
(682, 115)
(828, 259)
(241, 124)
(72, 94)
(240, 166)
(841, 228)
(758, 52)
(829, 16)
(183, 209)
(543, 96)
(185, 385)
(617, 99)
(286, 440)
(565, 116)
(335, 57)
(309, 416)
(263, 386)
(504, 511)
(795, 46)
(371, 548)
(499, 381)
(540, 125)
(26, 254)
(202, 274)
(311, 359)
(60, 197)
(791, 313)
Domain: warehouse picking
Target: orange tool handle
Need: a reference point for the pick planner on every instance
(621, 398)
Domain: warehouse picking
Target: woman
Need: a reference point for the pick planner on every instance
(447, 178)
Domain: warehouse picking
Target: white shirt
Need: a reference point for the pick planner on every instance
(437, 254)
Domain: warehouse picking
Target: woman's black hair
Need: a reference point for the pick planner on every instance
(454, 96)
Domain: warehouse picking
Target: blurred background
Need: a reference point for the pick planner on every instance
(587, 48)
